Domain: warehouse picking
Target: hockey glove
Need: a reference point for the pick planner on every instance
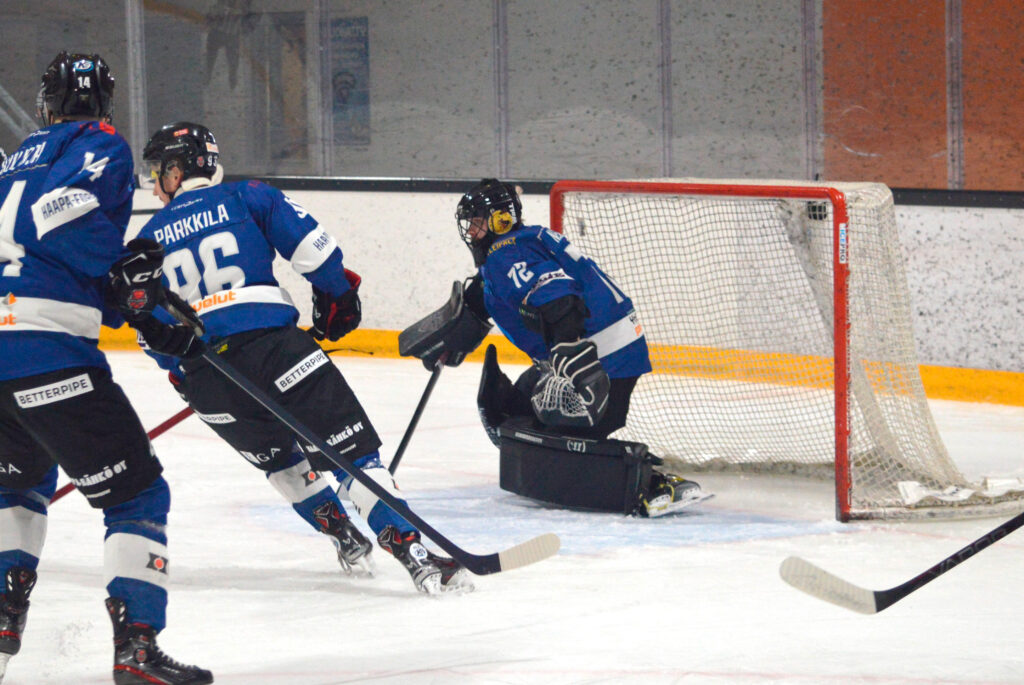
(176, 384)
(135, 280)
(175, 340)
(579, 364)
(335, 316)
(465, 335)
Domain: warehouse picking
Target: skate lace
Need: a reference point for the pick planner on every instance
(154, 655)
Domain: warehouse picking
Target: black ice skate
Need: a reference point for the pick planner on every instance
(14, 612)
(669, 493)
(352, 546)
(431, 574)
(138, 660)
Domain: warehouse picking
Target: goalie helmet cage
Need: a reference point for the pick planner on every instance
(752, 294)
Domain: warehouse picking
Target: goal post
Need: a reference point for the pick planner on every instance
(779, 323)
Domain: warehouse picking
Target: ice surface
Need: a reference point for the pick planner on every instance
(257, 596)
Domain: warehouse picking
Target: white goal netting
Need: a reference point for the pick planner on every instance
(737, 300)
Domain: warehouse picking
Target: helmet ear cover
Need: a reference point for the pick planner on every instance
(500, 222)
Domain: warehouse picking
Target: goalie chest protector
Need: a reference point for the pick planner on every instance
(602, 475)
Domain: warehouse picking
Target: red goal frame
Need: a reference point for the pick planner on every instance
(841, 275)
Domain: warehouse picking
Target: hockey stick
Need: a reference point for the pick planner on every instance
(815, 581)
(159, 430)
(529, 552)
(416, 414)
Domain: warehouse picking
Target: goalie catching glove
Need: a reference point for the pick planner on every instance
(574, 393)
(335, 316)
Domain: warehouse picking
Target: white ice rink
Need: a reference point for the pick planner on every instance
(257, 596)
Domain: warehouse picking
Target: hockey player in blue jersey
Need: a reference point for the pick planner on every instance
(556, 305)
(66, 196)
(220, 241)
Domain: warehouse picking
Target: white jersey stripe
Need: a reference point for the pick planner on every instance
(52, 316)
(313, 251)
(619, 334)
(266, 294)
(61, 206)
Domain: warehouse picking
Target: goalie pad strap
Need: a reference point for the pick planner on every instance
(601, 475)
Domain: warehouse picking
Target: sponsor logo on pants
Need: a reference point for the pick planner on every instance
(55, 392)
(301, 370)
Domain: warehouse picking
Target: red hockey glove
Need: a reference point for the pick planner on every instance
(336, 316)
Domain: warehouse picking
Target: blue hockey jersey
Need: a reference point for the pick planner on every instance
(220, 242)
(66, 197)
(534, 265)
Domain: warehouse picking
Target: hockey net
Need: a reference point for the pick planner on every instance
(751, 294)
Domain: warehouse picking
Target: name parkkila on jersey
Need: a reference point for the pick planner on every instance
(219, 243)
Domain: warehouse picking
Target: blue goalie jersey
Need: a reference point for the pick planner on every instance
(66, 197)
(220, 242)
(534, 265)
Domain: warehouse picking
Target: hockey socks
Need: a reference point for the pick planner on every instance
(376, 513)
(305, 489)
(135, 554)
(23, 523)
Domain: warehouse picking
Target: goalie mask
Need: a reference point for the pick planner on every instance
(489, 210)
(190, 147)
(75, 85)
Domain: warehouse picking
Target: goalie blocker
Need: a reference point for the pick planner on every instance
(448, 334)
(603, 475)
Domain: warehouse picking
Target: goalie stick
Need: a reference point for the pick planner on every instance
(395, 460)
(529, 552)
(817, 582)
(159, 430)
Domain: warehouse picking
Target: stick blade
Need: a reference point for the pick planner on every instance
(529, 552)
(817, 582)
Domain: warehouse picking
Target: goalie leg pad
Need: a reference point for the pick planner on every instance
(496, 399)
(601, 475)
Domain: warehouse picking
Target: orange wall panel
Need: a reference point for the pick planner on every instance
(885, 92)
(993, 94)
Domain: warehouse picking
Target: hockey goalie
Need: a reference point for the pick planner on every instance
(552, 302)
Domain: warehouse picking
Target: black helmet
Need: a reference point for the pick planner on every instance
(76, 85)
(190, 147)
(496, 202)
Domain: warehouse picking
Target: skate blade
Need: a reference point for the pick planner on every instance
(430, 585)
(363, 567)
(459, 584)
(4, 658)
(661, 506)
